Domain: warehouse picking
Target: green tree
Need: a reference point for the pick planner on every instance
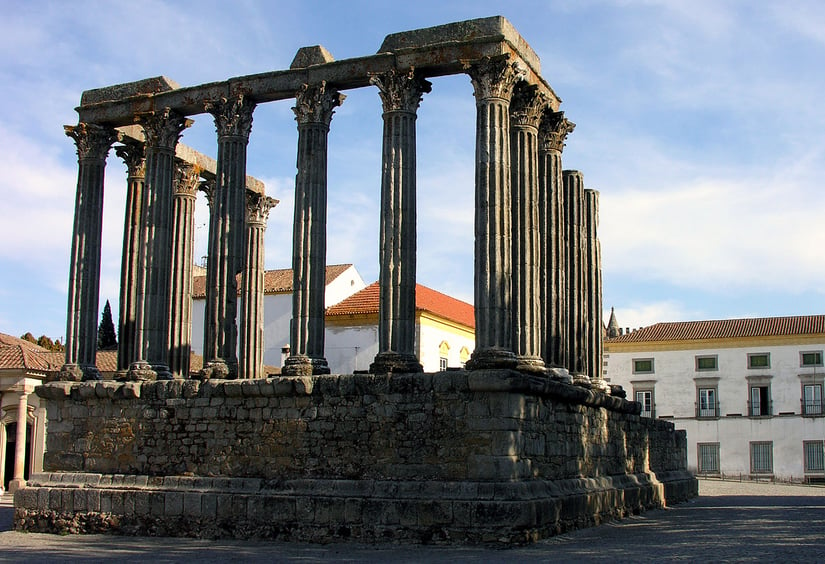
(29, 337)
(106, 336)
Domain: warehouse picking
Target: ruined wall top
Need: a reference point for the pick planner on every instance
(434, 51)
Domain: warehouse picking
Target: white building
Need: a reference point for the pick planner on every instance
(747, 391)
(444, 331)
(342, 280)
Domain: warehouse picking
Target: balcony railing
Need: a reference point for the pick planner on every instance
(708, 411)
(811, 407)
(760, 408)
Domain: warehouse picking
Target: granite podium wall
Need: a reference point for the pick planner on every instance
(484, 456)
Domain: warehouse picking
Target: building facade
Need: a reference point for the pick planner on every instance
(747, 391)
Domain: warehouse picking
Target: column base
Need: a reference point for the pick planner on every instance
(70, 373)
(302, 365)
(16, 484)
(559, 374)
(582, 380)
(531, 365)
(141, 371)
(216, 369)
(600, 385)
(617, 391)
(485, 359)
(395, 363)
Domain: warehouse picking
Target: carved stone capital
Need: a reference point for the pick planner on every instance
(133, 154)
(93, 141)
(258, 207)
(553, 130)
(187, 179)
(494, 77)
(316, 103)
(527, 105)
(208, 188)
(163, 128)
(400, 91)
(233, 117)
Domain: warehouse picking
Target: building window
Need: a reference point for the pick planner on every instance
(442, 363)
(645, 397)
(760, 402)
(762, 457)
(708, 403)
(708, 460)
(814, 456)
(464, 355)
(812, 399)
(810, 358)
(706, 363)
(642, 366)
(759, 360)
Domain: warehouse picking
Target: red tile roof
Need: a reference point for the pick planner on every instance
(426, 299)
(726, 329)
(275, 281)
(19, 354)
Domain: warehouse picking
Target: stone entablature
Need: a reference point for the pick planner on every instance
(458, 455)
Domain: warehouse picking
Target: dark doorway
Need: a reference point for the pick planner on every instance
(11, 442)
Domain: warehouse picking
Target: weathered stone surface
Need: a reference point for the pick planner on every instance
(308, 56)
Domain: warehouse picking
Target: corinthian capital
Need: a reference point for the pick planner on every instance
(257, 208)
(187, 179)
(527, 105)
(400, 91)
(553, 130)
(233, 117)
(134, 155)
(208, 189)
(494, 77)
(93, 141)
(163, 128)
(316, 103)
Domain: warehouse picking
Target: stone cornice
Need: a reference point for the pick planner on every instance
(400, 91)
(93, 141)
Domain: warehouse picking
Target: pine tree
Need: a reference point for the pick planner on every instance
(106, 337)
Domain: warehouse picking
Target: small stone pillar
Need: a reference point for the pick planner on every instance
(493, 81)
(576, 289)
(93, 144)
(133, 154)
(19, 480)
(594, 285)
(314, 106)
(401, 94)
(227, 236)
(252, 292)
(162, 130)
(553, 130)
(526, 109)
(187, 180)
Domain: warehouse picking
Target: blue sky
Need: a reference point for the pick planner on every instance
(701, 123)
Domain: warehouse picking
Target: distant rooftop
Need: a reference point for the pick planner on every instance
(726, 329)
(275, 281)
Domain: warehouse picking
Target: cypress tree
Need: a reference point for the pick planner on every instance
(106, 336)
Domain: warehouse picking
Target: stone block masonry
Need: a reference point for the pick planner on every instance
(483, 456)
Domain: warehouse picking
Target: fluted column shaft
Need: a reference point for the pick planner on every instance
(19, 480)
(252, 292)
(594, 284)
(162, 130)
(525, 112)
(93, 143)
(400, 95)
(133, 155)
(187, 180)
(227, 236)
(576, 297)
(313, 112)
(553, 130)
(493, 81)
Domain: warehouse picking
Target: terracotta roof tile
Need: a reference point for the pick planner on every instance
(426, 299)
(726, 329)
(275, 281)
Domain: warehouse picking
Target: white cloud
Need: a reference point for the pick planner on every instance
(638, 314)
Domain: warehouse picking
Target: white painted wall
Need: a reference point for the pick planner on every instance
(350, 348)
(675, 396)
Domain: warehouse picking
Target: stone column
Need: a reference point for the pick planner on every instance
(576, 296)
(493, 81)
(401, 94)
(187, 180)
(252, 312)
(594, 287)
(526, 108)
(18, 480)
(162, 130)
(93, 144)
(553, 130)
(227, 236)
(133, 154)
(314, 107)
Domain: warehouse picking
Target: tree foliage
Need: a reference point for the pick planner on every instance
(45, 342)
(106, 336)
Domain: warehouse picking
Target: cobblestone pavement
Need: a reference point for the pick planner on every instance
(729, 522)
